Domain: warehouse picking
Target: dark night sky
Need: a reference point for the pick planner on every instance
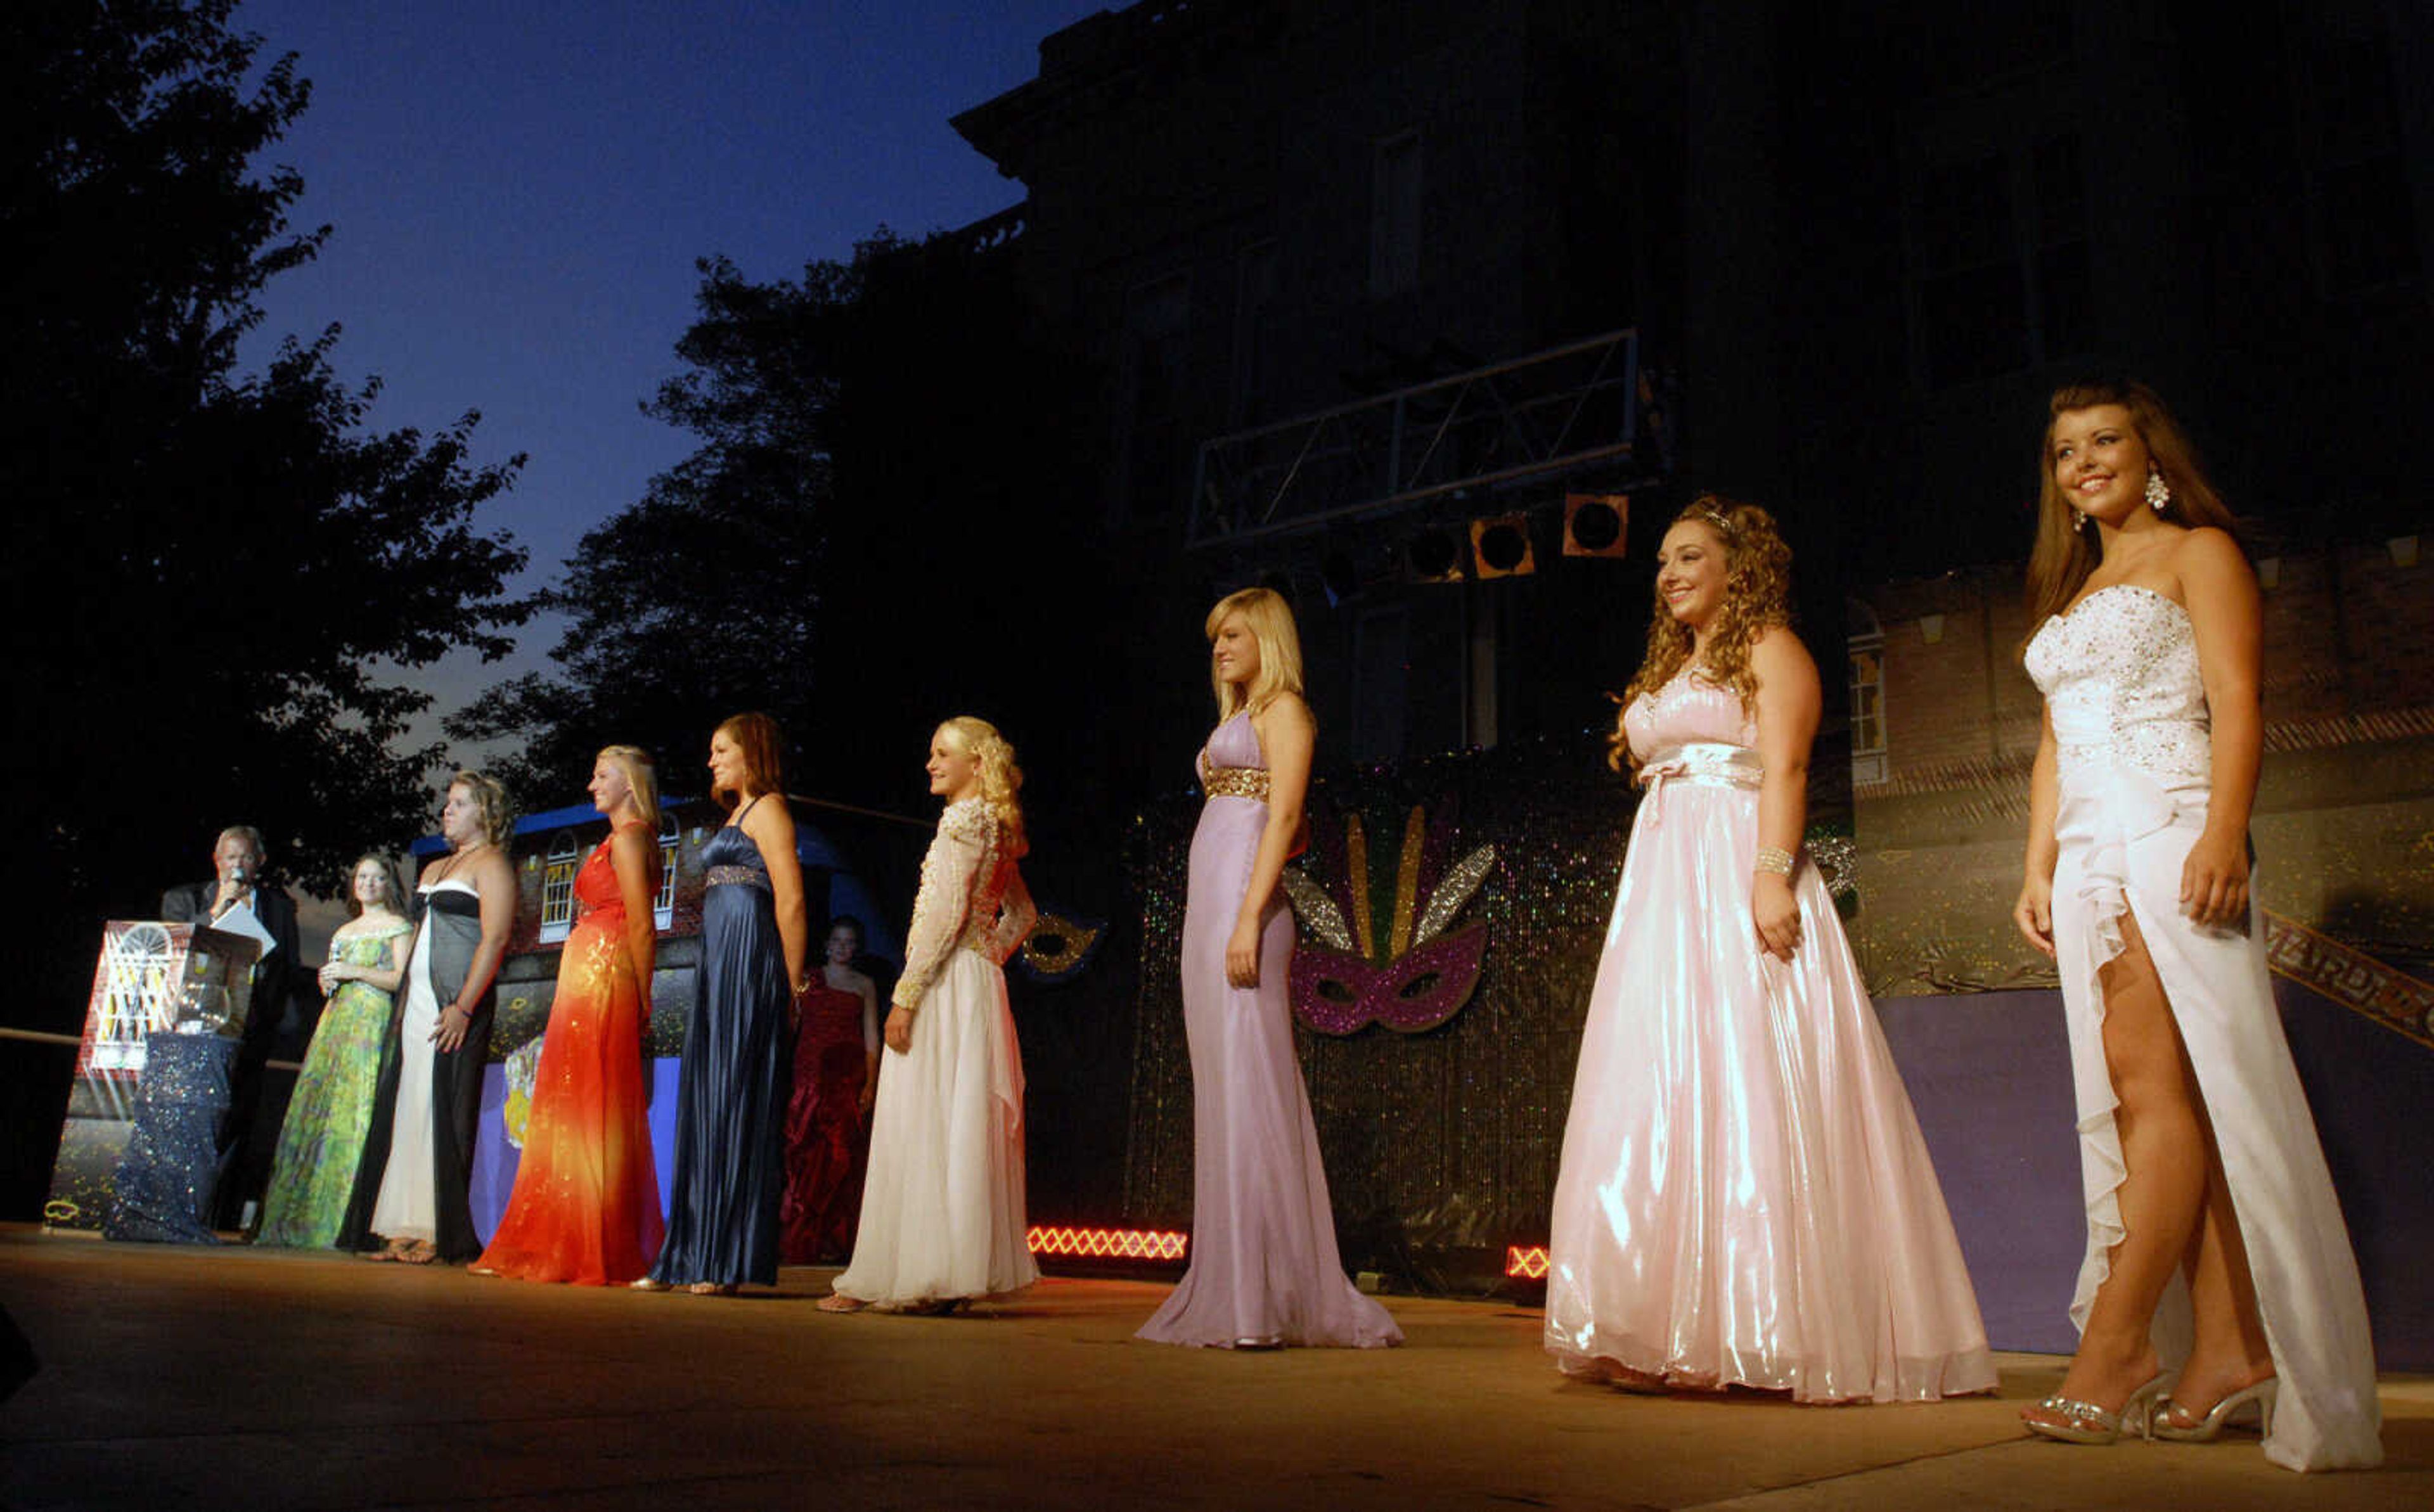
(519, 189)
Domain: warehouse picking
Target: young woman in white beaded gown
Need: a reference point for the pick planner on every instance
(2218, 1289)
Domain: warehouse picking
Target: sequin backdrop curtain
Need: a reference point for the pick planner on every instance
(1441, 1141)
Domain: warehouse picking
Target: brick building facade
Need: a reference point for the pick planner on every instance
(2344, 816)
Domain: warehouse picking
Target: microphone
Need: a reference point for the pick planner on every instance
(233, 890)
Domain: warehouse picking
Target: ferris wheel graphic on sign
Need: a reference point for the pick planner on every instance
(140, 978)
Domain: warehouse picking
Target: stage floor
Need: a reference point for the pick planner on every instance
(237, 1378)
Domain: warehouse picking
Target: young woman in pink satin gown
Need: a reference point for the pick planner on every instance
(1745, 1198)
(1265, 1270)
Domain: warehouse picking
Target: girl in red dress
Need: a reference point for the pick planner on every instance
(837, 1075)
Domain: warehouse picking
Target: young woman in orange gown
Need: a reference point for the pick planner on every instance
(586, 1203)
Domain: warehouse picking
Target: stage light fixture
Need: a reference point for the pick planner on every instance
(1433, 556)
(1596, 524)
(1499, 547)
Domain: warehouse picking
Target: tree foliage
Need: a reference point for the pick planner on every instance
(215, 575)
(856, 547)
(698, 601)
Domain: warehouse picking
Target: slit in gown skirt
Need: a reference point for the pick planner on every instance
(2134, 774)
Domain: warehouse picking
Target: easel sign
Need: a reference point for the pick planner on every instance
(152, 977)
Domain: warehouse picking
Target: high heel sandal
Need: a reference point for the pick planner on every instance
(2231, 1412)
(2087, 1423)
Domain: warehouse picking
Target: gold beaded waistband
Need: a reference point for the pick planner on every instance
(1236, 782)
(736, 875)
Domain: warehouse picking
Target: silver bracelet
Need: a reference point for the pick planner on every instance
(1774, 859)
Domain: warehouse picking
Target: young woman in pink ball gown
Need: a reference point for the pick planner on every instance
(1744, 1199)
(1265, 1270)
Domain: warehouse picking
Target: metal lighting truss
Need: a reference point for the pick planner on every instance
(1556, 412)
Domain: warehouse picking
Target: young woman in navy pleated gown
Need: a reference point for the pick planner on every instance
(732, 1085)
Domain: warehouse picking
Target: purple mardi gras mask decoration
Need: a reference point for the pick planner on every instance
(1393, 964)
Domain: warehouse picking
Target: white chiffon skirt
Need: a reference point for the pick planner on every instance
(408, 1204)
(2123, 839)
(942, 1208)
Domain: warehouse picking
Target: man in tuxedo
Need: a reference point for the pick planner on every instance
(236, 860)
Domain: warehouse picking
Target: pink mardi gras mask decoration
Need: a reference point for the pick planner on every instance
(1393, 964)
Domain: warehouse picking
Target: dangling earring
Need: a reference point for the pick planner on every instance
(2078, 517)
(2159, 493)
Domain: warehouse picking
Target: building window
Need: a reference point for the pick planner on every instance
(1157, 319)
(1963, 48)
(1255, 297)
(2062, 291)
(557, 889)
(1867, 649)
(2001, 277)
(664, 907)
(2361, 210)
(1394, 216)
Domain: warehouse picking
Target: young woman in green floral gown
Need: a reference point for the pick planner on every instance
(321, 1143)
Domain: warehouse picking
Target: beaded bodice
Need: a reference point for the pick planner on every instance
(1230, 765)
(1688, 711)
(730, 858)
(974, 824)
(2119, 674)
(972, 897)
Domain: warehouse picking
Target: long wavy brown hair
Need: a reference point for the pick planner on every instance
(2065, 552)
(1758, 596)
(757, 740)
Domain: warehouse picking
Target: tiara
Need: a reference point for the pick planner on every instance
(1719, 519)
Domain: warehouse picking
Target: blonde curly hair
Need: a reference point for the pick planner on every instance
(1758, 597)
(1001, 776)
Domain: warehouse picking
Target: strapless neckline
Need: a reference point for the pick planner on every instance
(2094, 594)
